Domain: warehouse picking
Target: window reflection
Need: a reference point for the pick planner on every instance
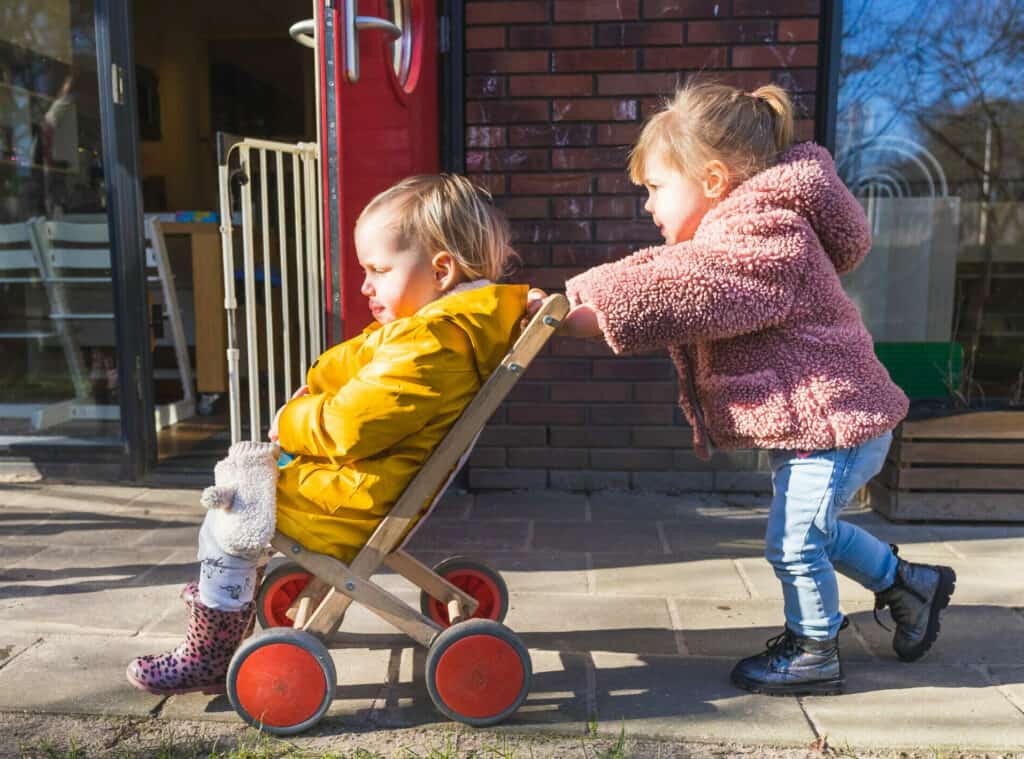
(929, 136)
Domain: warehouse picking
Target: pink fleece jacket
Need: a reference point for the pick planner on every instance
(771, 353)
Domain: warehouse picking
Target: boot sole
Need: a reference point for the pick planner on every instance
(947, 585)
(209, 690)
(832, 687)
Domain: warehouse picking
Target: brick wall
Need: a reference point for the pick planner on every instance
(556, 91)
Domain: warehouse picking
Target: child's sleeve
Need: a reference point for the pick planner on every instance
(690, 291)
(396, 394)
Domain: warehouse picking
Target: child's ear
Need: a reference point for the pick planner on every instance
(446, 271)
(716, 180)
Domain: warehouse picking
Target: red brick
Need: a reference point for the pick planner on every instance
(656, 392)
(552, 134)
(798, 30)
(483, 456)
(507, 111)
(587, 255)
(651, 106)
(548, 414)
(804, 130)
(533, 255)
(705, 32)
(587, 158)
(559, 368)
(519, 159)
(550, 231)
(596, 10)
(632, 459)
(550, 86)
(547, 278)
(506, 62)
(639, 231)
(618, 134)
(521, 12)
(633, 369)
(591, 437)
(662, 437)
(632, 414)
(745, 79)
(566, 346)
(640, 35)
(594, 109)
(594, 207)
(550, 184)
(481, 478)
(776, 8)
(485, 38)
(549, 457)
(495, 184)
(513, 435)
(528, 392)
(485, 87)
(685, 8)
(775, 56)
(524, 208)
(617, 183)
(591, 392)
(684, 58)
(485, 137)
(637, 84)
(550, 37)
(796, 80)
(593, 60)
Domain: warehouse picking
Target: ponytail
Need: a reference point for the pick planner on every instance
(782, 108)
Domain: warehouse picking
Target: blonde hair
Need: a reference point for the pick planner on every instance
(706, 121)
(436, 212)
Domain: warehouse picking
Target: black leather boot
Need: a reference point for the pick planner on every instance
(792, 666)
(919, 593)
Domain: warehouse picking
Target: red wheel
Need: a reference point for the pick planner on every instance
(478, 672)
(278, 592)
(281, 681)
(480, 580)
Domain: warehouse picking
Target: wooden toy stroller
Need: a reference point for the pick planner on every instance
(477, 670)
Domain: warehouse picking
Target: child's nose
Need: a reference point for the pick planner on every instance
(366, 289)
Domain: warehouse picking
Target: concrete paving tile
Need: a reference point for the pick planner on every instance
(14, 644)
(15, 494)
(1010, 677)
(85, 497)
(720, 532)
(938, 706)
(589, 623)
(737, 629)
(969, 635)
(664, 576)
(621, 504)
(78, 528)
(466, 536)
(994, 582)
(540, 506)
(690, 698)
(76, 674)
(80, 588)
(11, 554)
(576, 537)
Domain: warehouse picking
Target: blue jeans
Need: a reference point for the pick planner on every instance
(806, 542)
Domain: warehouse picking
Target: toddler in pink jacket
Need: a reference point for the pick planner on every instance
(771, 354)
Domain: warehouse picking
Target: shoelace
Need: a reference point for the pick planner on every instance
(785, 642)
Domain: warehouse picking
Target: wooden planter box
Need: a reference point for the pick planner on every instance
(968, 467)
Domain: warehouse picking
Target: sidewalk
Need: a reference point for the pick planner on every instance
(634, 607)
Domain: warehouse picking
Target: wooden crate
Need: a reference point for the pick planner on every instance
(967, 467)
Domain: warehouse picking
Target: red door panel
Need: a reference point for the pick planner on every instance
(374, 131)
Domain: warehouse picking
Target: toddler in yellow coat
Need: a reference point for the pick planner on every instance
(373, 408)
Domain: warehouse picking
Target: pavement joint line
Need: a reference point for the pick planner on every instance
(394, 678)
(528, 543)
(37, 642)
(589, 574)
(588, 514)
(663, 538)
(677, 628)
(810, 720)
(855, 631)
(590, 697)
(986, 671)
(745, 579)
(952, 549)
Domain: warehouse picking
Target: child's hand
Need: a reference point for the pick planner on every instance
(581, 321)
(534, 298)
(272, 432)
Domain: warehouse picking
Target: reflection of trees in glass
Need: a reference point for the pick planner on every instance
(947, 76)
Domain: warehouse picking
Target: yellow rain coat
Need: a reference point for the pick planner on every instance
(378, 404)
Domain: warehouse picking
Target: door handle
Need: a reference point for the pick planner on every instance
(304, 32)
(355, 24)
